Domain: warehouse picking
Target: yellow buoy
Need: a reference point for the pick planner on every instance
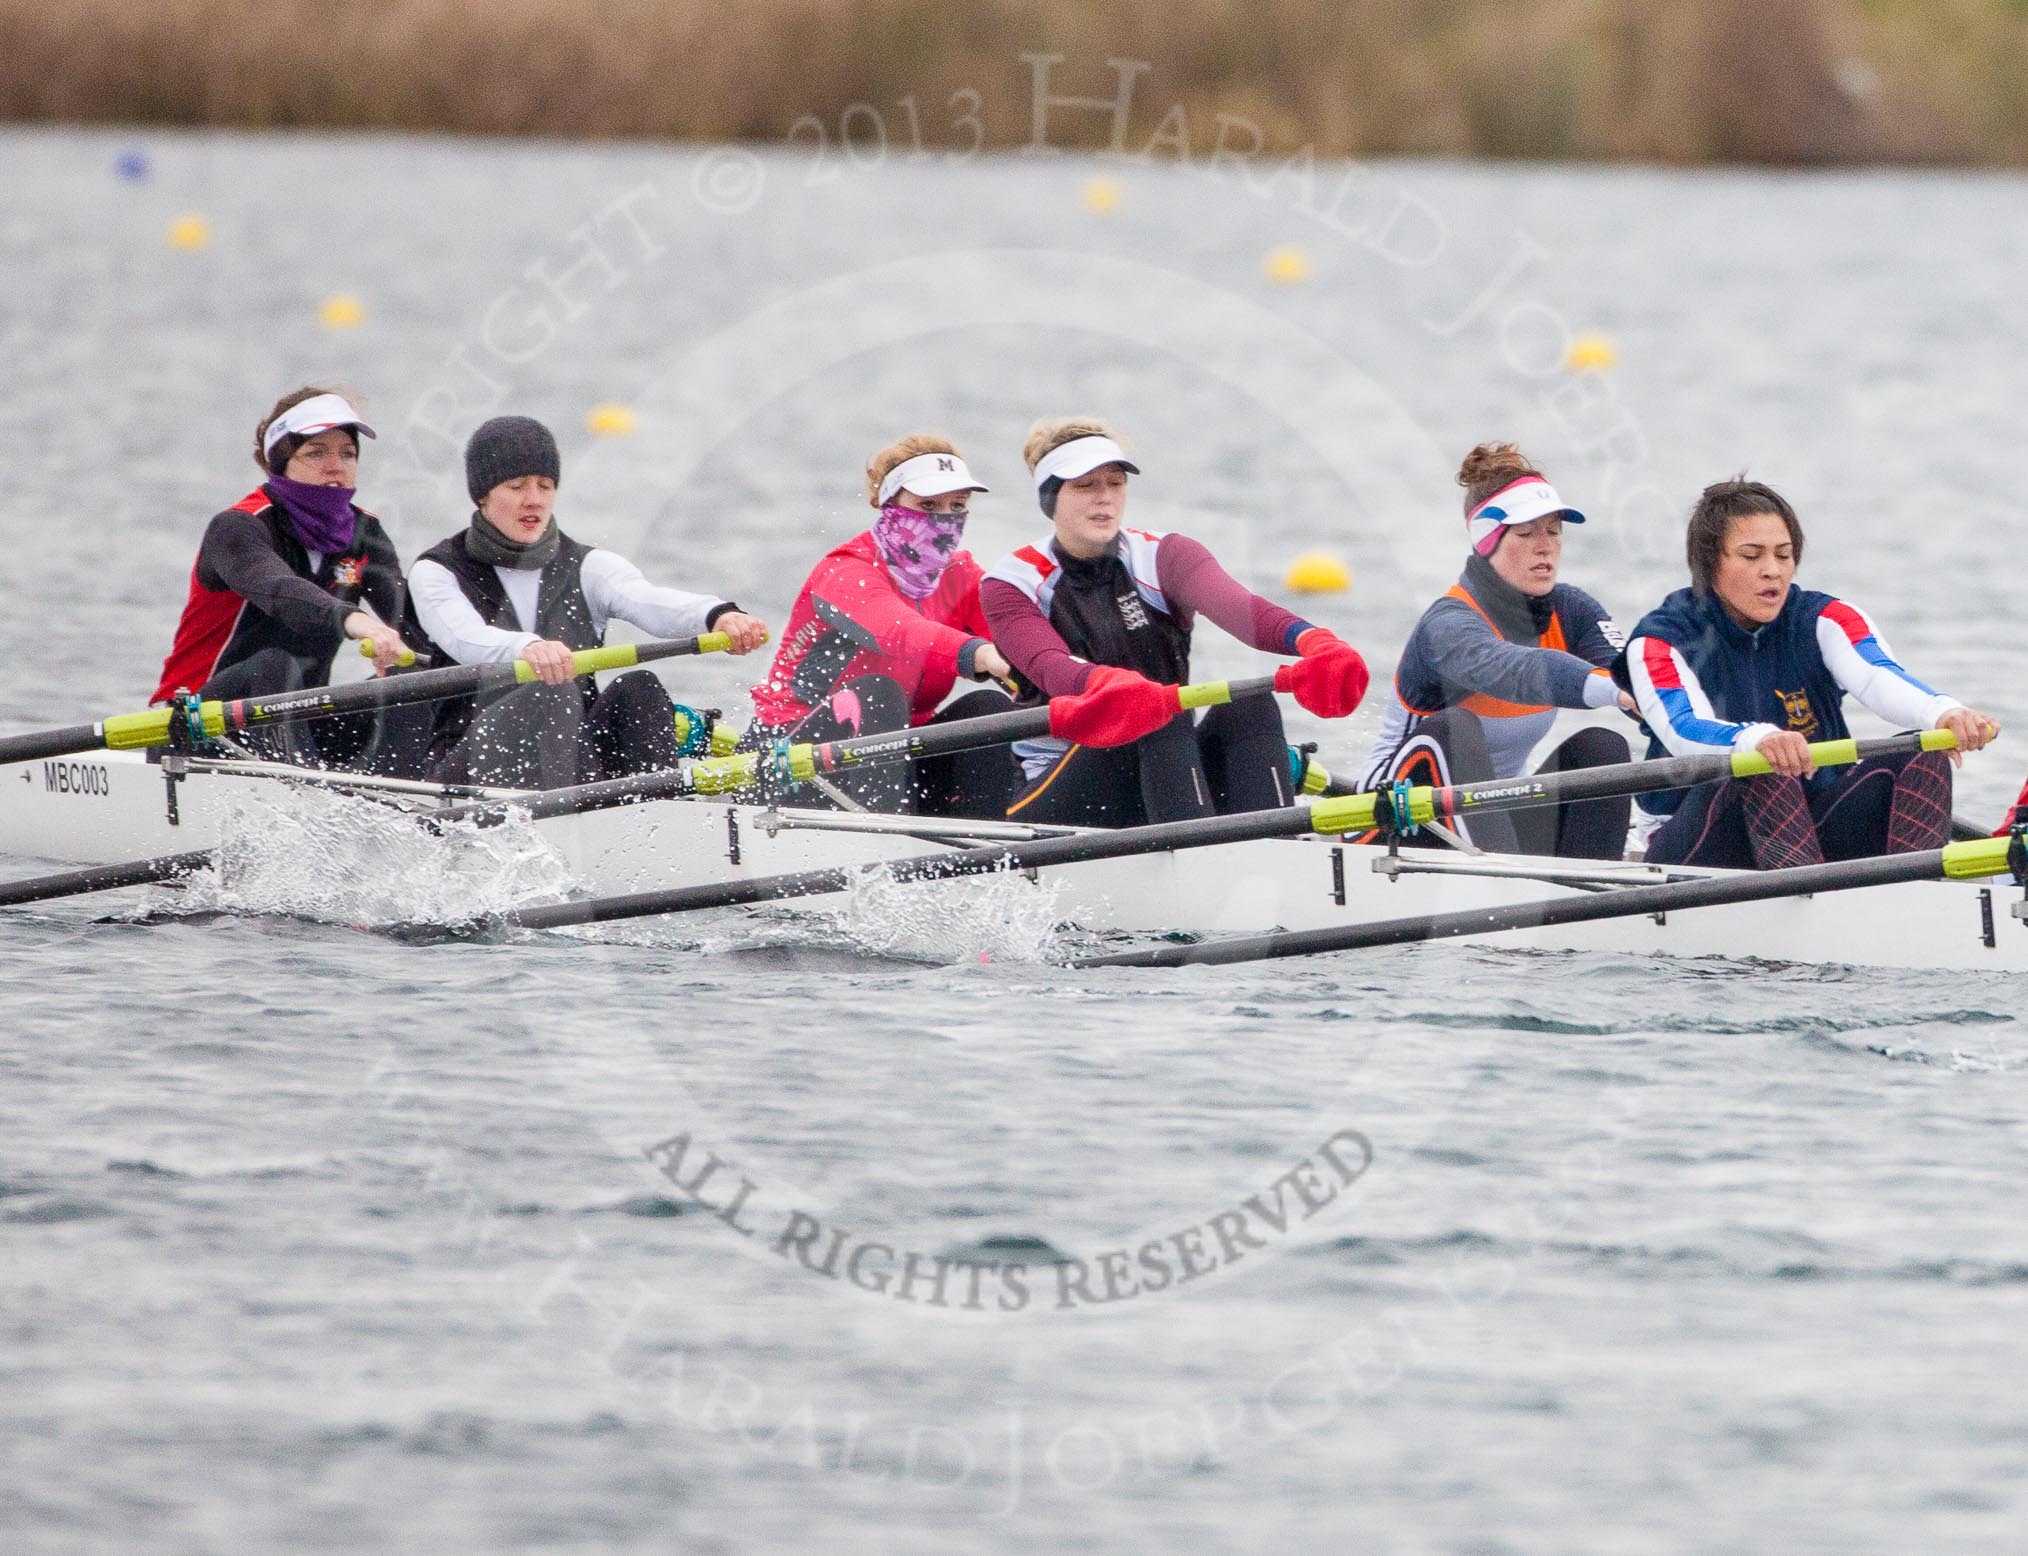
(1318, 572)
(189, 231)
(1591, 352)
(1287, 265)
(341, 311)
(610, 421)
(1100, 196)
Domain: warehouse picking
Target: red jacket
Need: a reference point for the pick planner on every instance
(850, 620)
(2018, 814)
(252, 587)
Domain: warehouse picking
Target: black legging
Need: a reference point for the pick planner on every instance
(547, 737)
(1885, 805)
(973, 785)
(392, 742)
(1236, 758)
(1450, 748)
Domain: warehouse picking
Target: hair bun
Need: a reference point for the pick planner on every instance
(1489, 462)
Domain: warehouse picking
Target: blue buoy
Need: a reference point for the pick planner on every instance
(132, 164)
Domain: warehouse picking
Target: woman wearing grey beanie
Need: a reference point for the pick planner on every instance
(511, 585)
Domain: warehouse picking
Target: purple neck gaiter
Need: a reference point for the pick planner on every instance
(321, 516)
(917, 546)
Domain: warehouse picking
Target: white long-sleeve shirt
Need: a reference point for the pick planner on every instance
(613, 586)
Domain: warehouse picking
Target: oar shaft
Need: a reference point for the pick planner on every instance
(802, 762)
(990, 729)
(104, 877)
(1362, 812)
(1579, 908)
(134, 731)
(44, 743)
(1078, 848)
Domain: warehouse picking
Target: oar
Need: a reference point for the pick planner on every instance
(131, 731)
(793, 764)
(1326, 817)
(103, 877)
(719, 775)
(1955, 861)
(419, 687)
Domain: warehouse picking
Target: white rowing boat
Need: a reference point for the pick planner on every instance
(112, 806)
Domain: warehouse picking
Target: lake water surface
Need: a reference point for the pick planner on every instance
(313, 1241)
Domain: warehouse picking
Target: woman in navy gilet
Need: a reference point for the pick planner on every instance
(1743, 660)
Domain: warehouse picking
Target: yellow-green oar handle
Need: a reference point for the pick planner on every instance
(1204, 694)
(724, 774)
(1980, 856)
(131, 731)
(1836, 753)
(1362, 812)
(406, 659)
(617, 656)
(134, 731)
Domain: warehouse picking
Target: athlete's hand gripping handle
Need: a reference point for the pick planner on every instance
(1329, 680)
(1116, 708)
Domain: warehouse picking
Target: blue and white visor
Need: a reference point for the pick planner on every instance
(1518, 502)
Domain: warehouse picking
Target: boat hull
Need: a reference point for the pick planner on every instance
(111, 807)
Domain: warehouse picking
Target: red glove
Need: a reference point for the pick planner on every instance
(1329, 679)
(1115, 708)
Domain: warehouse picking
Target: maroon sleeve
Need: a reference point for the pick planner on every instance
(1031, 644)
(1193, 581)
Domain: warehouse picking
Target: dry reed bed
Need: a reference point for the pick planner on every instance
(1770, 81)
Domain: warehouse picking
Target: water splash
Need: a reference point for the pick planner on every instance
(999, 917)
(343, 860)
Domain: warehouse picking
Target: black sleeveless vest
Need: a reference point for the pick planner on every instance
(562, 614)
(1103, 618)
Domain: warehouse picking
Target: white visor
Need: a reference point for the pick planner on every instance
(319, 413)
(1523, 502)
(1081, 456)
(929, 475)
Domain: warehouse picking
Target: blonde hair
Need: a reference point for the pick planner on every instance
(900, 450)
(1055, 431)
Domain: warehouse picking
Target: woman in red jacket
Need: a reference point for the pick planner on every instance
(883, 628)
(284, 577)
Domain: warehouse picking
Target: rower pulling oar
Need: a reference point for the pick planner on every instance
(1096, 605)
(212, 719)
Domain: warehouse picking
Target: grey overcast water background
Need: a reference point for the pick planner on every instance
(311, 1241)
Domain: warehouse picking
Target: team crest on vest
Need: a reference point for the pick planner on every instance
(346, 572)
(1797, 710)
(1133, 612)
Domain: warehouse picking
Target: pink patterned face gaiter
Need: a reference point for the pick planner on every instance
(917, 546)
